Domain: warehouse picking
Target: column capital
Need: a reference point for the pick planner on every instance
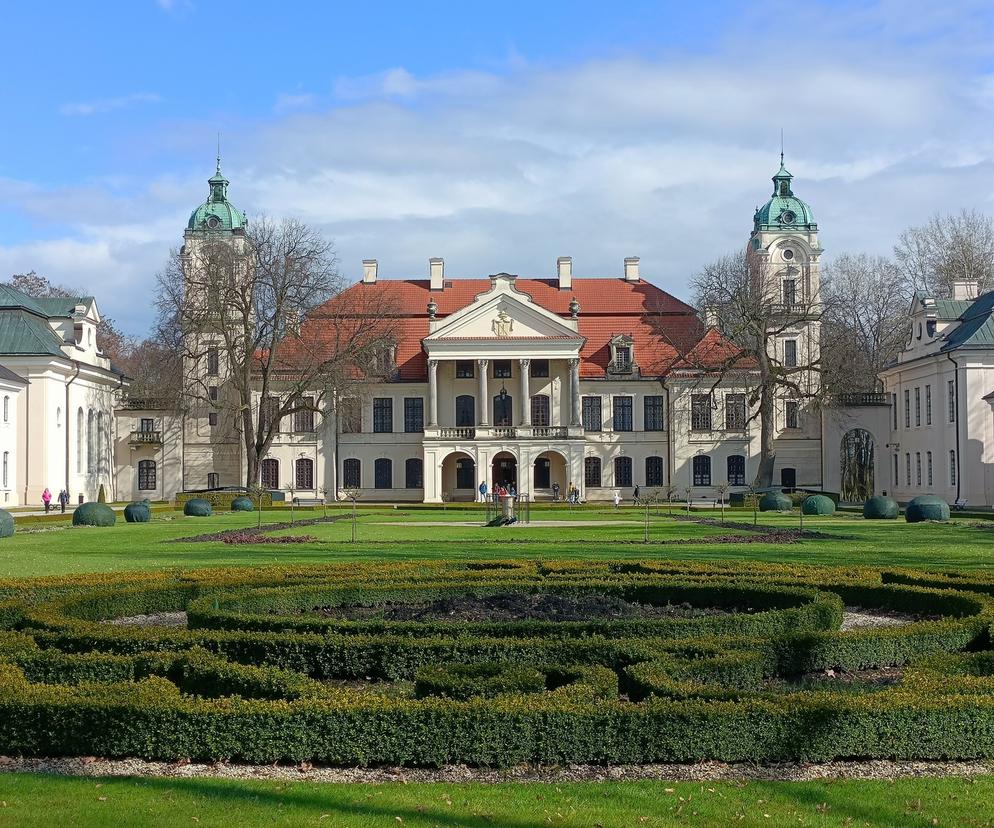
(574, 362)
(483, 363)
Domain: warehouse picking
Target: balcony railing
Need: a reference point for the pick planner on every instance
(621, 366)
(146, 437)
(503, 433)
(860, 398)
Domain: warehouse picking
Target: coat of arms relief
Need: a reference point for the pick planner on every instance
(503, 324)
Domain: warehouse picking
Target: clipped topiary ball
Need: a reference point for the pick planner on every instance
(879, 507)
(818, 505)
(242, 504)
(198, 507)
(775, 502)
(926, 507)
(137, 512)
(93, 514)
(6, 524)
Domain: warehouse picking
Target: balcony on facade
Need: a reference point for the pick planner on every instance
(145, 438)
(486, 432)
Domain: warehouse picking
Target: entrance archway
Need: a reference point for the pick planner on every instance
(549, 469)
(504, 469)
(856, 463)
(459, 477)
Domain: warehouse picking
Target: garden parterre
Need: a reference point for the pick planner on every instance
(259, 676)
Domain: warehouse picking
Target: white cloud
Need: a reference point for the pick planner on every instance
(108, 104)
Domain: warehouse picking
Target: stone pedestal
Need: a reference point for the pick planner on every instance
(507, 506)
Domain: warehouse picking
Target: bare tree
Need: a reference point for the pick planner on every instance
(742, 292)
(945, 250)
(266, 330)
(865, 319)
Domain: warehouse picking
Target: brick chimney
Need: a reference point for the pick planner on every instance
(369, 267)
(564, 271)
(632, 269)
(436, 270)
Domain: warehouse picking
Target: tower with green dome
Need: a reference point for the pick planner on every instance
(217, 214)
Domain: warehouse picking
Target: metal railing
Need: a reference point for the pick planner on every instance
(146, 437)
(860, 398)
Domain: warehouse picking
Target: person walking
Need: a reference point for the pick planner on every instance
(46, 498)
(617, 498)
(635, 495)
(63, 500)
(555, 492)
(483, 491)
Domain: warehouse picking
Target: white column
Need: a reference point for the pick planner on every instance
(574, 392)
(433, 393)
(483, 403)
(526, 403)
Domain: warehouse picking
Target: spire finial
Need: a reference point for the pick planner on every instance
(781, 147)
(218, 152)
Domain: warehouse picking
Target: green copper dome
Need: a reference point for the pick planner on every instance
(217, 213)
(784, 210)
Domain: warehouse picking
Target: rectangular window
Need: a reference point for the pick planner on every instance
(591, 409)
(653, 471)
(303, 420)
(414, 473)
(540, 368)
(622, 356)
(735, 412)
(907, 408)
(790, 291)
(383, 473)
(213, 362)
(702, 470)
(893, 405)
(269, 410)
(146, 424)
(791, 414)
(790, 353)
(592, 472)
(541, 413)
(382, 415)
(622, 411)
(907, 469)
(897, 477)
(653, 411)
(700, 412)
(464, 369)
(952, 468)
(918, 468)
(213, 480)
(349, 415)
(414, 417)
(918, 407)
(212, 418)
(146, 475)
(928, 466)
(212, 393)
(951, 393)
(502, 369)
(928, 405)
(736, 470)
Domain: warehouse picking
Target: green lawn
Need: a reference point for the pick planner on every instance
(47, 800)
(385, 534)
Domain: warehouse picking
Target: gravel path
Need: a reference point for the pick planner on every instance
(700, 772)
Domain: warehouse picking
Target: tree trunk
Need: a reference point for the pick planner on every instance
(767, 429)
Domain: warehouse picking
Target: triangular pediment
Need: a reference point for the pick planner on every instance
(503, 313)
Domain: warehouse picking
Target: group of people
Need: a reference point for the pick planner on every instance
(572, 493)
(499, 490)
(63, 499)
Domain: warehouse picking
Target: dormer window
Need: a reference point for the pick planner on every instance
(622, 355)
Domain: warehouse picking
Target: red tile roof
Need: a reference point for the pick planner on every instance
(661, 326)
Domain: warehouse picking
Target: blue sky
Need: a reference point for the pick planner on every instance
(498, 136)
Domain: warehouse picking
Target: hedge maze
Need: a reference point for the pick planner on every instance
(708, 661)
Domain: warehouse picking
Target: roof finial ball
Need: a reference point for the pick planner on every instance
(574, 308)
(432, 309)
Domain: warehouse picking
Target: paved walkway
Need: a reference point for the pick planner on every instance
(538, 523)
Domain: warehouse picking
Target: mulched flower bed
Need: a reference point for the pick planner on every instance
(259, 531)
(243, 537)
(517, 606)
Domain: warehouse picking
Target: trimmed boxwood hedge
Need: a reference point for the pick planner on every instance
(926, 507)
(242, 504)
(775, 502)
(250, 680)
(6, 524)
(93, 514)
(138, 512)
(818, 505)
(880, 507)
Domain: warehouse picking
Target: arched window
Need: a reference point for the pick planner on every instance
(6, 463)
(270, 473)
(502, 410)
(465, 410)
(736, 470)
(352, 473)
(414, 473)
(383, 473)
(304, 473)
(80, 434)
(91, 445)
(100, 443)
(623, 471)
(542, 473)
(928, 458)
(952, 468)
(702, 470)
(6, 409)
(146, 475)
(541, 410)
(592, 472)
(653, 471)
